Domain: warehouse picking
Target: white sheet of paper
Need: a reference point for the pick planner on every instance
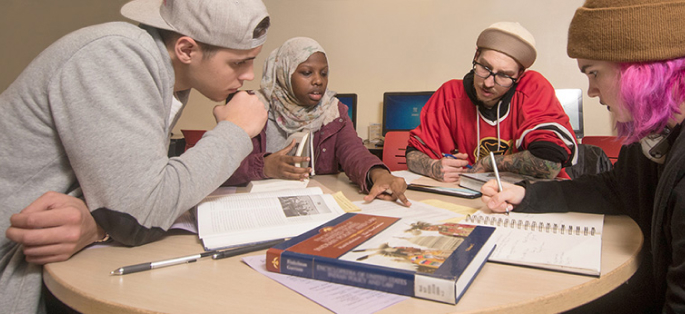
(335, 297)
(417, 210)
(407, 175)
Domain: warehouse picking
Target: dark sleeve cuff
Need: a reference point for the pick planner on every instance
(369, 183)
(548, 151)
(124, 228)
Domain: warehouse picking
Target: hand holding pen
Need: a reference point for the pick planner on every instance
(500, 189)
(450, 166)
(455, 157)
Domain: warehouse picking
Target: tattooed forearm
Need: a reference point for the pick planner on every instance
(527, 164)
(422, 164)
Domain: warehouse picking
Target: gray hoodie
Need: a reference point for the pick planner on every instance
(91, 113)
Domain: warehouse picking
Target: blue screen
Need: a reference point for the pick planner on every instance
(348, 101)
(402, 111)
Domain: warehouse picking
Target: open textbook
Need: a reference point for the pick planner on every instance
(237, 219)
(568, 242)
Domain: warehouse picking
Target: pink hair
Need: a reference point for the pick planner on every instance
(652, 93)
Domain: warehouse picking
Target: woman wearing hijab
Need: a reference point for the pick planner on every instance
(294, 86)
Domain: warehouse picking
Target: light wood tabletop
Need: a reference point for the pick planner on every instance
(229, 286)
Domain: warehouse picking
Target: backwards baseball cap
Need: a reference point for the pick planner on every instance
(509, 38)
(235, 24)
(628, 30)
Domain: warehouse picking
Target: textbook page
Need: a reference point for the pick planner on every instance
(243, 218)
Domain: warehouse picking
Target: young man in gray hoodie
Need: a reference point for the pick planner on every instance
(91, 117)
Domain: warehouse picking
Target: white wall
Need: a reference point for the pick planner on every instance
(373, 46)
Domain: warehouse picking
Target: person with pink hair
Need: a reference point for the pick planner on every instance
(633, 54)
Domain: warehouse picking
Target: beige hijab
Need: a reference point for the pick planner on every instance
(276, 89)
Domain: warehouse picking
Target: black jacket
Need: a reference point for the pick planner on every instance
(651, 194)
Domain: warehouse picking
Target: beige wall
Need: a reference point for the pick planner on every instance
(373, 46)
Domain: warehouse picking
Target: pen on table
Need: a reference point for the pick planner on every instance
(455, 157)
(216, 254)
(424, 144)
(152, 265)
(499, 180)
(246, 249)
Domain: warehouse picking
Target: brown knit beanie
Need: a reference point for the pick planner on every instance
(628, 30)
(509, 38)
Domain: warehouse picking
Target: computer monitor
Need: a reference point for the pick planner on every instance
(402, 110)
(572, 101)
(350, 100)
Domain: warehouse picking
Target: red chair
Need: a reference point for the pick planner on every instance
(192, 136)
(611, 145)
(395, 149)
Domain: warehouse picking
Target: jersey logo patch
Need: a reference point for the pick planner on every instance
(489, 144)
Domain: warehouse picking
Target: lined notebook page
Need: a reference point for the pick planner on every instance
(569, 242)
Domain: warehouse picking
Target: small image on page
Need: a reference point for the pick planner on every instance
(303, 205)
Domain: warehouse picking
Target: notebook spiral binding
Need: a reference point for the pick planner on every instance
(529, 225)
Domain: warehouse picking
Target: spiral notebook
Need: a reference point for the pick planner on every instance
(567, 242)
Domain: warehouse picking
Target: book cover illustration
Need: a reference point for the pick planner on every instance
(423, 247)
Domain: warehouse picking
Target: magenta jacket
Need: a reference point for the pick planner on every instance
(336, 143)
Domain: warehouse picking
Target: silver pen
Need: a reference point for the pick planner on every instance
(152, 265)
(499, 181)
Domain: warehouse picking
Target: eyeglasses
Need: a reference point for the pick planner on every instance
(501, 79)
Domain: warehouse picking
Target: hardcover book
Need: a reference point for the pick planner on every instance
(404, 256)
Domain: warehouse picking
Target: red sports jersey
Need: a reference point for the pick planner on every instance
(448, 121)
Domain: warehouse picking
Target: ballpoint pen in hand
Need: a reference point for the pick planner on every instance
(499, 180)
(455, 157)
